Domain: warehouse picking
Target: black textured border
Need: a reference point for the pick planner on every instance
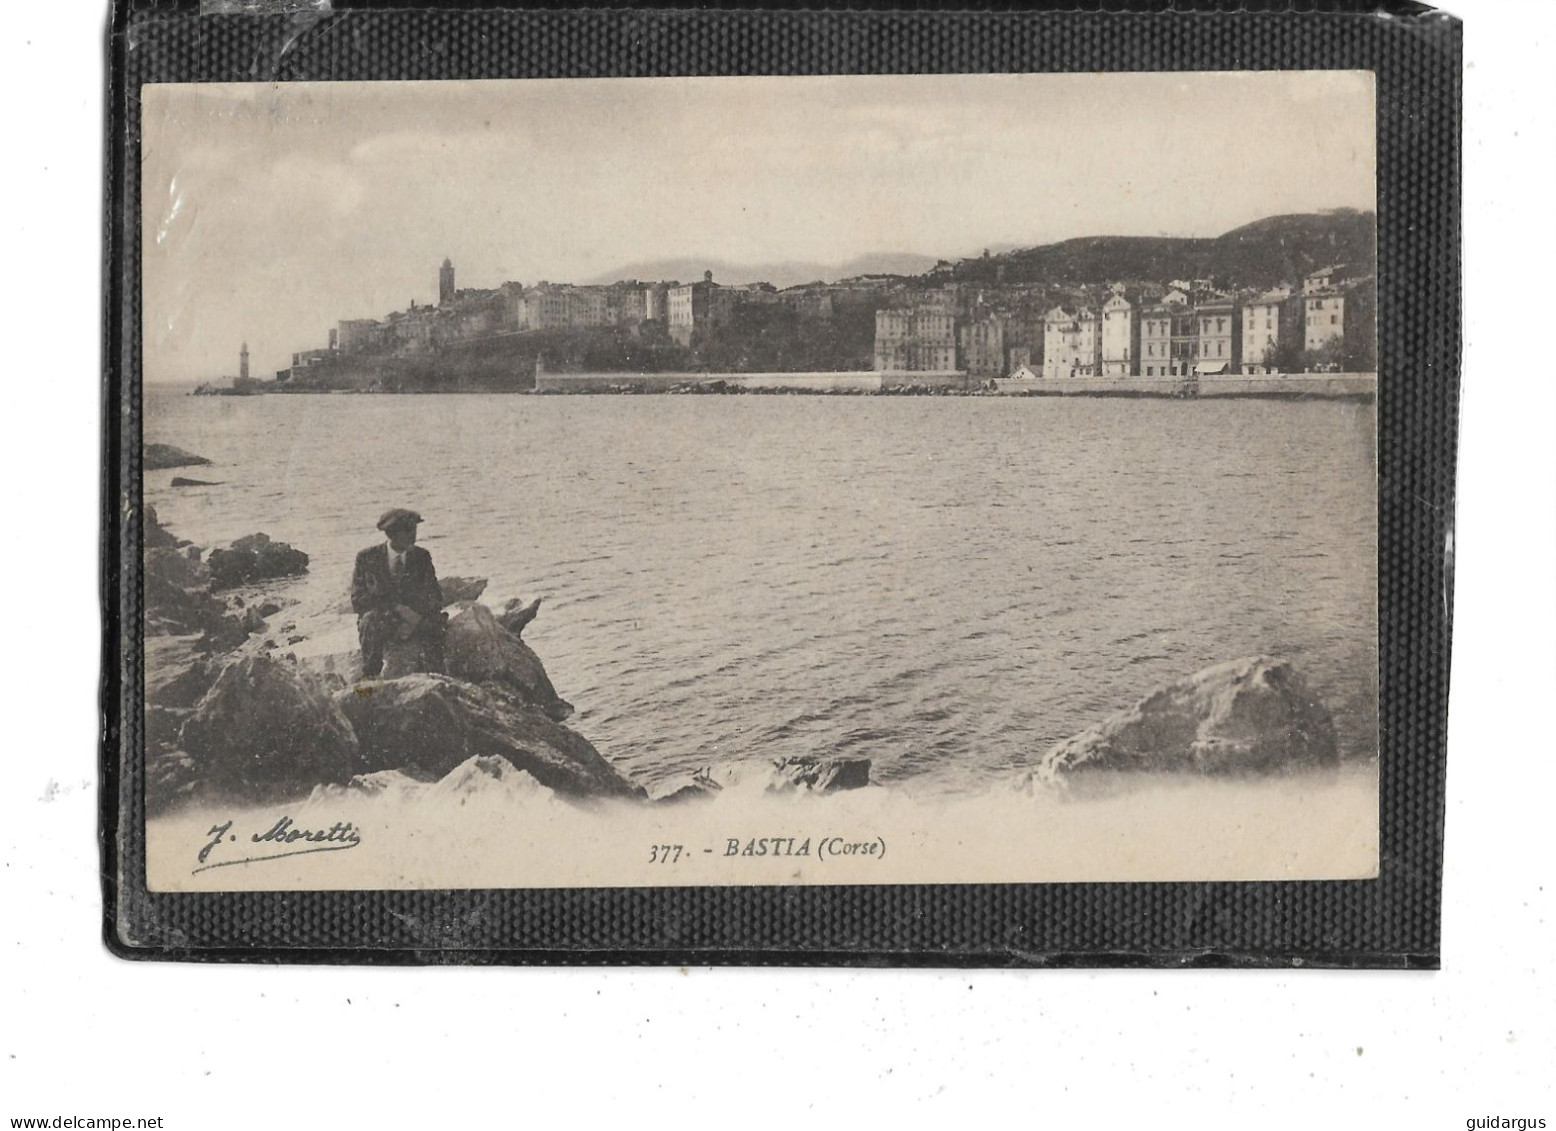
(1389, 922)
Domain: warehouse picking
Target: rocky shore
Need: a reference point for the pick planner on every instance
(232, 716)
(1250, 717)
(160, 457)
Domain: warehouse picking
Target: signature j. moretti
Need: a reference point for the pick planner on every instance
(282, 839)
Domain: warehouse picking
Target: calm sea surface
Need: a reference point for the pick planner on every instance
(944, 585)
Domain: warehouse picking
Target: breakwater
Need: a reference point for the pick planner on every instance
(1345, 386)
(846, 382)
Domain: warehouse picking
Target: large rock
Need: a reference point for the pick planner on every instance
(700, 786)
(160, 457)
(483, 775)
(821, 775)
(176, 674)
(516, 614)
(1254, 715)
(457, 590)
(406, 657)
(223, 635)
(172, 778)
(478, 649)
(155, 535)
(162, 726)
(254, 558)
(178, 600)
(265, 730)
(426, 725)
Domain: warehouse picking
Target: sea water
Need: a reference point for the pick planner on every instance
(946, 586)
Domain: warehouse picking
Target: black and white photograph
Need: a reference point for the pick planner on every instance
(791, 480)
(775, 568)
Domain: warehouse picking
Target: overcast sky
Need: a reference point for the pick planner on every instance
(272, 211)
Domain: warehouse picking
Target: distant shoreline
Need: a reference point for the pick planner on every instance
(1298, 386)
(1346, 386)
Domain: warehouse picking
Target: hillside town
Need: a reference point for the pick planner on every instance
(962, 319)
(1323, 323)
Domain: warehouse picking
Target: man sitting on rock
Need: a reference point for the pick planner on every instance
(399, 605)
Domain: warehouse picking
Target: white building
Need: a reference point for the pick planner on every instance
(1120, 337)
(1072, 343)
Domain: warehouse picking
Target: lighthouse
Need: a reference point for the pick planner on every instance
(446, 283)
(243, 363)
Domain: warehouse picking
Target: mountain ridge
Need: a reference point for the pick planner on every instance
(1265, 252)
(780, 273)
(1272, 250)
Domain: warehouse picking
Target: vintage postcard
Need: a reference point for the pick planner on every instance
(759, 481)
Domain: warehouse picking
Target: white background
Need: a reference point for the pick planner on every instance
(212, 1046)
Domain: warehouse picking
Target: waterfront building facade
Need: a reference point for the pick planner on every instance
(410, 331)
(1185, 336)
(584, 307)
(1218, 334)
(358, 335)
(1120, 337)
(656, 302)
(1272, 332)
(1131, 328)
(983, 345)
(1341, 326)
(697, 306)
(1155, 341)
(917, 339)
(1169, 337)
(543, 307)
(626, 304)
(469, 315)
(1072, 343)
(1324, 317)
(1325, 278)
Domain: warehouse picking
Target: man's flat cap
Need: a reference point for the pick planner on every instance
(398, 516)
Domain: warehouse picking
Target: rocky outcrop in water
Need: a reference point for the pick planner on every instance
(158, 537)
(177, 594)
(227, 719)
(254, 558)
(460, 590)
(702, 785)
(160, 457)
(1250, 716)
(478, 650)
(178, 591)
(516, 615)
(821, 775)
(425, 725)
(264, 728)
(177, 675)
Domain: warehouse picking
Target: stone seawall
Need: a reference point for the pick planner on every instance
(799, 382)
(853, 381)
(1351, 385)
(1328, 385)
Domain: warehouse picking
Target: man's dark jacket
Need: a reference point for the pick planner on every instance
(373, 587)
